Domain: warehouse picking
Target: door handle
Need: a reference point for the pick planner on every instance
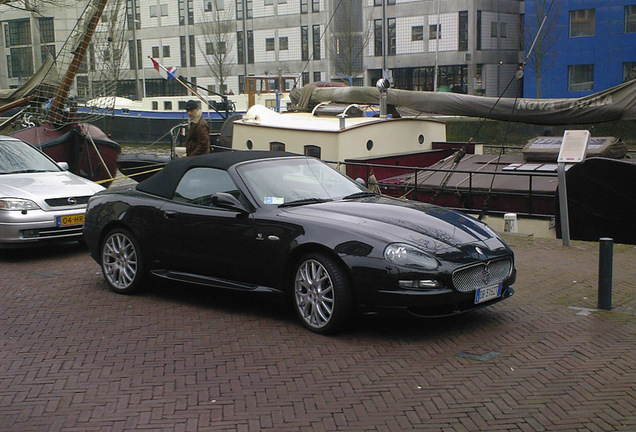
(170, 214)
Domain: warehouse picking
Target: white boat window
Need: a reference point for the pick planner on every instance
(312, 150)
(276, 146)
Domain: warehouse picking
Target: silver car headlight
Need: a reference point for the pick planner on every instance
(17, 204)
(405, 255)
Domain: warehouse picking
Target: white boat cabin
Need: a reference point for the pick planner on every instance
(334, 133)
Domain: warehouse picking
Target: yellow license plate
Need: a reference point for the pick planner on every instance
(70, 220)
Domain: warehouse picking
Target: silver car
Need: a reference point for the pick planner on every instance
(39, 200)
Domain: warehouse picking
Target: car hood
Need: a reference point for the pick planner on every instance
(431, 227)
(40, 186)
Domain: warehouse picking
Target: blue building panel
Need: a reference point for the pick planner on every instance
(608, 49)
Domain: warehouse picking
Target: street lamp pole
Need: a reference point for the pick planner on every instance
(135, 48)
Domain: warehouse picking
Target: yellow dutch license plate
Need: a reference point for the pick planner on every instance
(70, 220)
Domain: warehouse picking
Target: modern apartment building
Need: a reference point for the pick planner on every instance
(587, 46)
(475, 46)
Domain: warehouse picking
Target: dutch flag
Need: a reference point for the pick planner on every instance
(167, 73)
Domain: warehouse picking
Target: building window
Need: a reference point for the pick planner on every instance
(493, 29)
(391, 41)
(184, 55)
(209, 48)
(133, 18)
(47, 33)
(207, 6)
(45, 50)
(582, 22)
(164, 10)
(193, 52)
(581, 77)
(250, 9)
(630, 19)
(250, 46)
(377, 2)
(316, 41)
(303, 6)
(269, 44)
(434, 31)
(629, 71)
(283, 43)
(315, 5)
(478, 30)
(417, 33)
(503, 32)
(463, 31)
(153, 11)
(240, 47)
(305, 77)
(317, 76)
(155, 52)
(166, 50)
(131, 55)
(304, 43)
(377, 37)
(239, 9)
(312, 151)
(221, 48)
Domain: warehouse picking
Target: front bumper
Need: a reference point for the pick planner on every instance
(34, 226)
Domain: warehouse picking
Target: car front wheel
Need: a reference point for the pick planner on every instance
(322, 296)
(121, 262)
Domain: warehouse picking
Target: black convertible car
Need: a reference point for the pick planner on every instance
(292, 226)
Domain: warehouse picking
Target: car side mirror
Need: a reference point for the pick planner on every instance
(228, 201)
(63, 165)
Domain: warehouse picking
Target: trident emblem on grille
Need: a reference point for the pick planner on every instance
(485, 276)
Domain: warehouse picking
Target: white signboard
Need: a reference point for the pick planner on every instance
(574, 146)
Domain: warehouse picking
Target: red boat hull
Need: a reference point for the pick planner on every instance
(88, 151)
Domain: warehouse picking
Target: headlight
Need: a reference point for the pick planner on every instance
(409, 256)
(17, 204)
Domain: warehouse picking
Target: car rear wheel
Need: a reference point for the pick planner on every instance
(121, 262)
(322, 296)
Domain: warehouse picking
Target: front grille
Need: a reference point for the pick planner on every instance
(482, 275)
(64, 202)
(52, 233)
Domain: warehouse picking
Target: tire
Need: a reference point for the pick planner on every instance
(121, 262)
(321, 294)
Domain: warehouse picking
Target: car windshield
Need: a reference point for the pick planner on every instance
(296, 181)
(19, 157)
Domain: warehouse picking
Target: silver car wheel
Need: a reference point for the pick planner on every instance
(119, 261)
(314, 294)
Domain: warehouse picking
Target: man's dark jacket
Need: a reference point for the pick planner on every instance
(198, 138)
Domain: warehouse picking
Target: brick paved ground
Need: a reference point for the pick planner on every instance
(76, 357)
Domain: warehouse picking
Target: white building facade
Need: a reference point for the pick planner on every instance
(475, 46)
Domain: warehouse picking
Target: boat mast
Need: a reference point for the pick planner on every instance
(78, 56)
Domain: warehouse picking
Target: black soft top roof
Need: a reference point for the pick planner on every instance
(165, 181)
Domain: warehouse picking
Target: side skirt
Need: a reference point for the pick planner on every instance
(210, 281)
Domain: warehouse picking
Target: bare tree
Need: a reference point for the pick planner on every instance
(219, 33)
(543, 56)
(350, 36)
(35, 6)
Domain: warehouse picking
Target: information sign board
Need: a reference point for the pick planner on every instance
(574, 146)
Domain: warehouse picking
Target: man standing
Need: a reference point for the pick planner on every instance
(198, 138)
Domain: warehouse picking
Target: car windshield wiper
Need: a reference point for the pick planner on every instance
(304, 201)
(359, 195)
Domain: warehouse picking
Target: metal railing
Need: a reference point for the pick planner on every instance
(530, 195)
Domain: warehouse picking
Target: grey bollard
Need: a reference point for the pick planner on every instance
(605, 273)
